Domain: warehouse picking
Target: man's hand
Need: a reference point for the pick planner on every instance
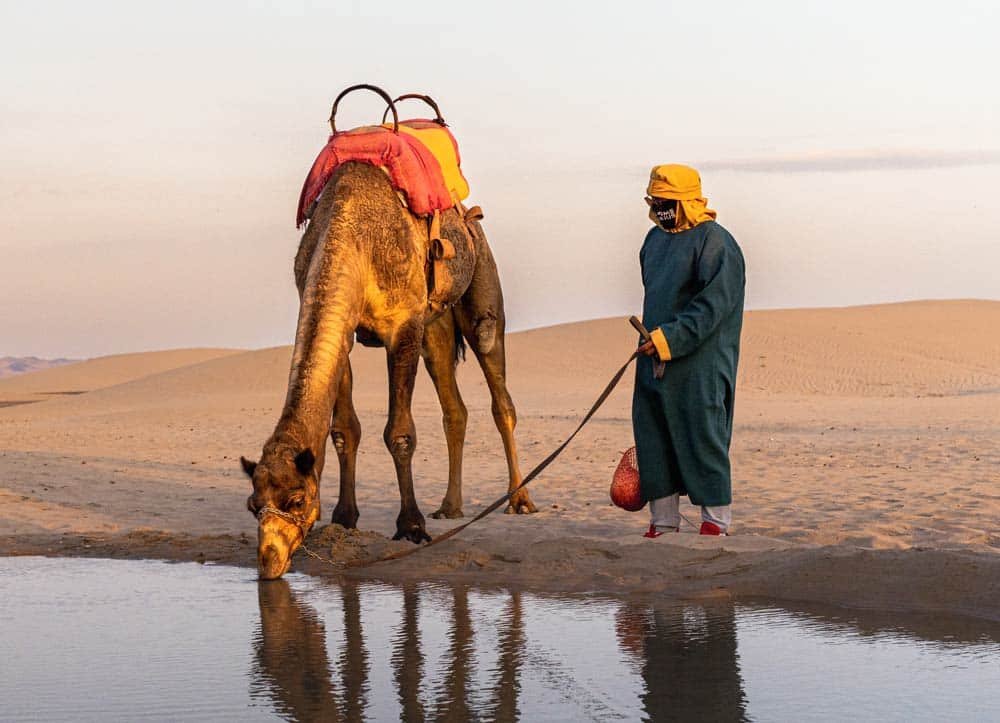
(649, 349)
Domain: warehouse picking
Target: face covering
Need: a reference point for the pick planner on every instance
(663, 212)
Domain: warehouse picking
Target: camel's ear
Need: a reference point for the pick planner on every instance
(248, 466)
(304, 461)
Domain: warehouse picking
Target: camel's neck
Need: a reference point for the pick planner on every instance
(328, 315)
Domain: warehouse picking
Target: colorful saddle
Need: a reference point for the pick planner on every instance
(421, 160)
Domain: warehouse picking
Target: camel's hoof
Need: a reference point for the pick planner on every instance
(347, 518)
(447, 513)
(416, 535)
(521, 507)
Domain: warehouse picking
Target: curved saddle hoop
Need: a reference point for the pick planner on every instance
(438, 118)
(375, 89)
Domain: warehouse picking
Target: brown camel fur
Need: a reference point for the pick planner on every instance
(360, 270)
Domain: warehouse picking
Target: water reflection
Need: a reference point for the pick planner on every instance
(407, 658)
(688, 659)
(353, 661)
(675, 661)
(433, 653)
(96, 640)
(291, 657)
(293, 670)
(456, 680)
(511, 650)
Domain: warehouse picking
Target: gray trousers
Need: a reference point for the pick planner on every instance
(665, 514)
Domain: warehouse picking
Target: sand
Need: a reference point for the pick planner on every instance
(98, 373)
(866, 459)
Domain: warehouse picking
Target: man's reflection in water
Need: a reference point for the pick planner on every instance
(292, 659)
(689, 661)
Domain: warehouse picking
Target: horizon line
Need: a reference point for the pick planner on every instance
(871, 160)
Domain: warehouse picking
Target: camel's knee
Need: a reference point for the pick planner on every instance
(456, 419)
(342, 443)
(346, 437)
(401, 446)
(504, 413)
(485, 333)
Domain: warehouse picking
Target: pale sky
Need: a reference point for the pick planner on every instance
(152, 153)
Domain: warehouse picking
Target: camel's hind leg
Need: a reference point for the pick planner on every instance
(345, 431)
(439, 358)
(494, 366)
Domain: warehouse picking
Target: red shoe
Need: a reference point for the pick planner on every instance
(710, 528)
(653, 533)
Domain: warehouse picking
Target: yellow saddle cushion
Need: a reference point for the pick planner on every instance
(442, 145)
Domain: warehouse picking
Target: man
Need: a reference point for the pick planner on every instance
(682, 410)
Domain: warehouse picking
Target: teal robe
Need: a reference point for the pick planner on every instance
(683, 423)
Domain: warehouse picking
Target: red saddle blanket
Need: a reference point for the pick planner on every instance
(421, 160)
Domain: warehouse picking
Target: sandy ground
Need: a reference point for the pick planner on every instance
(866, 464)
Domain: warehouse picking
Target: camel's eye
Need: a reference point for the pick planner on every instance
(296, 503)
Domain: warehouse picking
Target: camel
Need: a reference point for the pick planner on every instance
(360, 274)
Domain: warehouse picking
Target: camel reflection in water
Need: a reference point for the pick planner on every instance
(459, 652)
(687, 659)
(353, 662)
(292, 663)
(294, 669)
(408, 658)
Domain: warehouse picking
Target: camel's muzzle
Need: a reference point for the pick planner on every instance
(277, 541)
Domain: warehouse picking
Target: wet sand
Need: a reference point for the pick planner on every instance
(866, 461)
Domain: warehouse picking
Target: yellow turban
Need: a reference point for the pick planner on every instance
(680, 183)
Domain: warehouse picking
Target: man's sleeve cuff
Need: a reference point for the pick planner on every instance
(660, 342)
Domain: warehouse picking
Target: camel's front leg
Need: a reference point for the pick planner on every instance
(439, 358)
(345, 431)
(400, 434)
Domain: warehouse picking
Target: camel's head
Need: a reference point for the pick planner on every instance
(285, 501)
